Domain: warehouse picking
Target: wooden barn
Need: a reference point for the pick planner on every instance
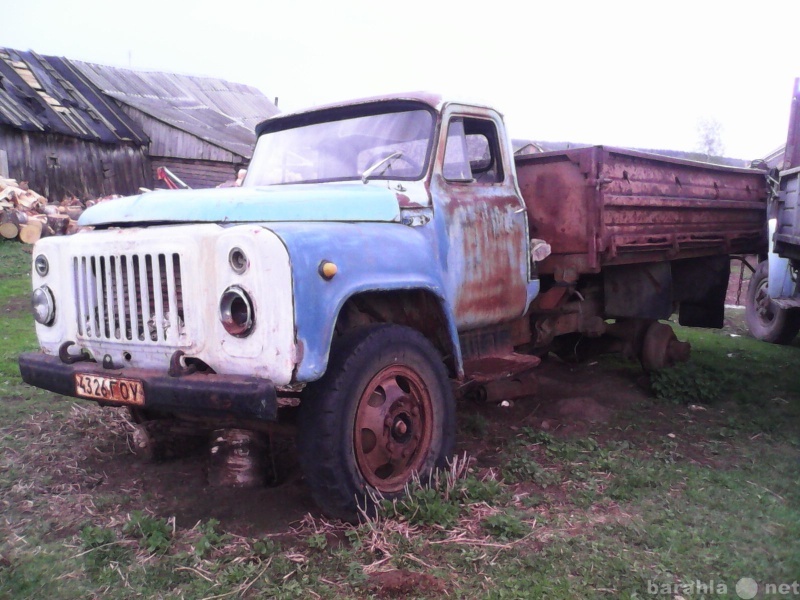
(58, 133)
(200, 128)
(76, 128)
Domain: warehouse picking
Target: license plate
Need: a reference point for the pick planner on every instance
(109, 389)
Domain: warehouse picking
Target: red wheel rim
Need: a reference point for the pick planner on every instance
(393, 428)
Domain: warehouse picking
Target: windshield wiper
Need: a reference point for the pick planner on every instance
(384, 161)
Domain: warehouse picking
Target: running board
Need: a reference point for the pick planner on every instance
(485, 369)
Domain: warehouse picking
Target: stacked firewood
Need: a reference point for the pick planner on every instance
(27, 216)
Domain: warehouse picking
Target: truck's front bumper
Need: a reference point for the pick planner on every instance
(199, 393)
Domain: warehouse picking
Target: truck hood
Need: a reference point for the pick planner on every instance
(312, 202)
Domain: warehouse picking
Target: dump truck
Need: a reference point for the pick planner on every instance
(383, 256)
(772, 306)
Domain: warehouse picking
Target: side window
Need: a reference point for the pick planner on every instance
(456, 161)
(472, 153)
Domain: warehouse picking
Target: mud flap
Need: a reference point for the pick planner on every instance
(700, 286)
(638, 291)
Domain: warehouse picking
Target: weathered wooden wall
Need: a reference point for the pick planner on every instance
(169, 141)
(56, 165)
(195, 161)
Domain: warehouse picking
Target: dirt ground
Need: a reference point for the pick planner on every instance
(571, 399)
(85, 469)
(597, 399)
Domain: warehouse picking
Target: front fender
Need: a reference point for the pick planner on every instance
(369, 257)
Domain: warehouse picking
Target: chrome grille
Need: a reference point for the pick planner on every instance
(133, 297)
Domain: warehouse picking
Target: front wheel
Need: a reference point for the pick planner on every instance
(382, 413)
(766, 320)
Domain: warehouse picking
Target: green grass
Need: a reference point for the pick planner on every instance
(675, 490)
(18, 402)
(16, 330)
(760, 382)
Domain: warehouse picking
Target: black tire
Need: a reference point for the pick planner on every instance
(765, 320)
(371, 371)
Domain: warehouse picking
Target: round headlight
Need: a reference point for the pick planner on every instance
(236, 312)
(43, 305)
(238, 260)
(41, 265)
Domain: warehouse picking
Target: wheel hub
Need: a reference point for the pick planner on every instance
(764, 303)
(393, 428)
(661, 348)
(399, 430)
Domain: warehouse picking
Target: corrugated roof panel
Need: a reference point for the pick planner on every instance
(32, 112)
(37, 96)
(11, 113)
(99, 107)
(217, 111)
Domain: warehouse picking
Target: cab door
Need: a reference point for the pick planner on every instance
(483, 217)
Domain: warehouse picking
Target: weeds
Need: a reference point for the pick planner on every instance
(265, 548)
(423, 506)
(101, 547)
(505, 526)
(688, 383)
(209, 538)
(317, 541)
(155, 535)
(521, 467)
(437, 501)
(488, 489)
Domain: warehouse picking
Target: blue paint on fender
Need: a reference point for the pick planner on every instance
(303, 202)
(369, 257)
(531, 291)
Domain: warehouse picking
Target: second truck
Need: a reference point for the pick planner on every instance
(773, 298)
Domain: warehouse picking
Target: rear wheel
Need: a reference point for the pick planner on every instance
(766, 320)
(382, 413)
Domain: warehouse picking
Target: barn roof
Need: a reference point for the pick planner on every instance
(46, 94)
(217, 111)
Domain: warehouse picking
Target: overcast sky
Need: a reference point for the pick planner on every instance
(639, 74)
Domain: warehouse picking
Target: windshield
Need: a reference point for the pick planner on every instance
(391, 145)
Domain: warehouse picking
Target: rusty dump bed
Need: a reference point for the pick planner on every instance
(599, 206)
